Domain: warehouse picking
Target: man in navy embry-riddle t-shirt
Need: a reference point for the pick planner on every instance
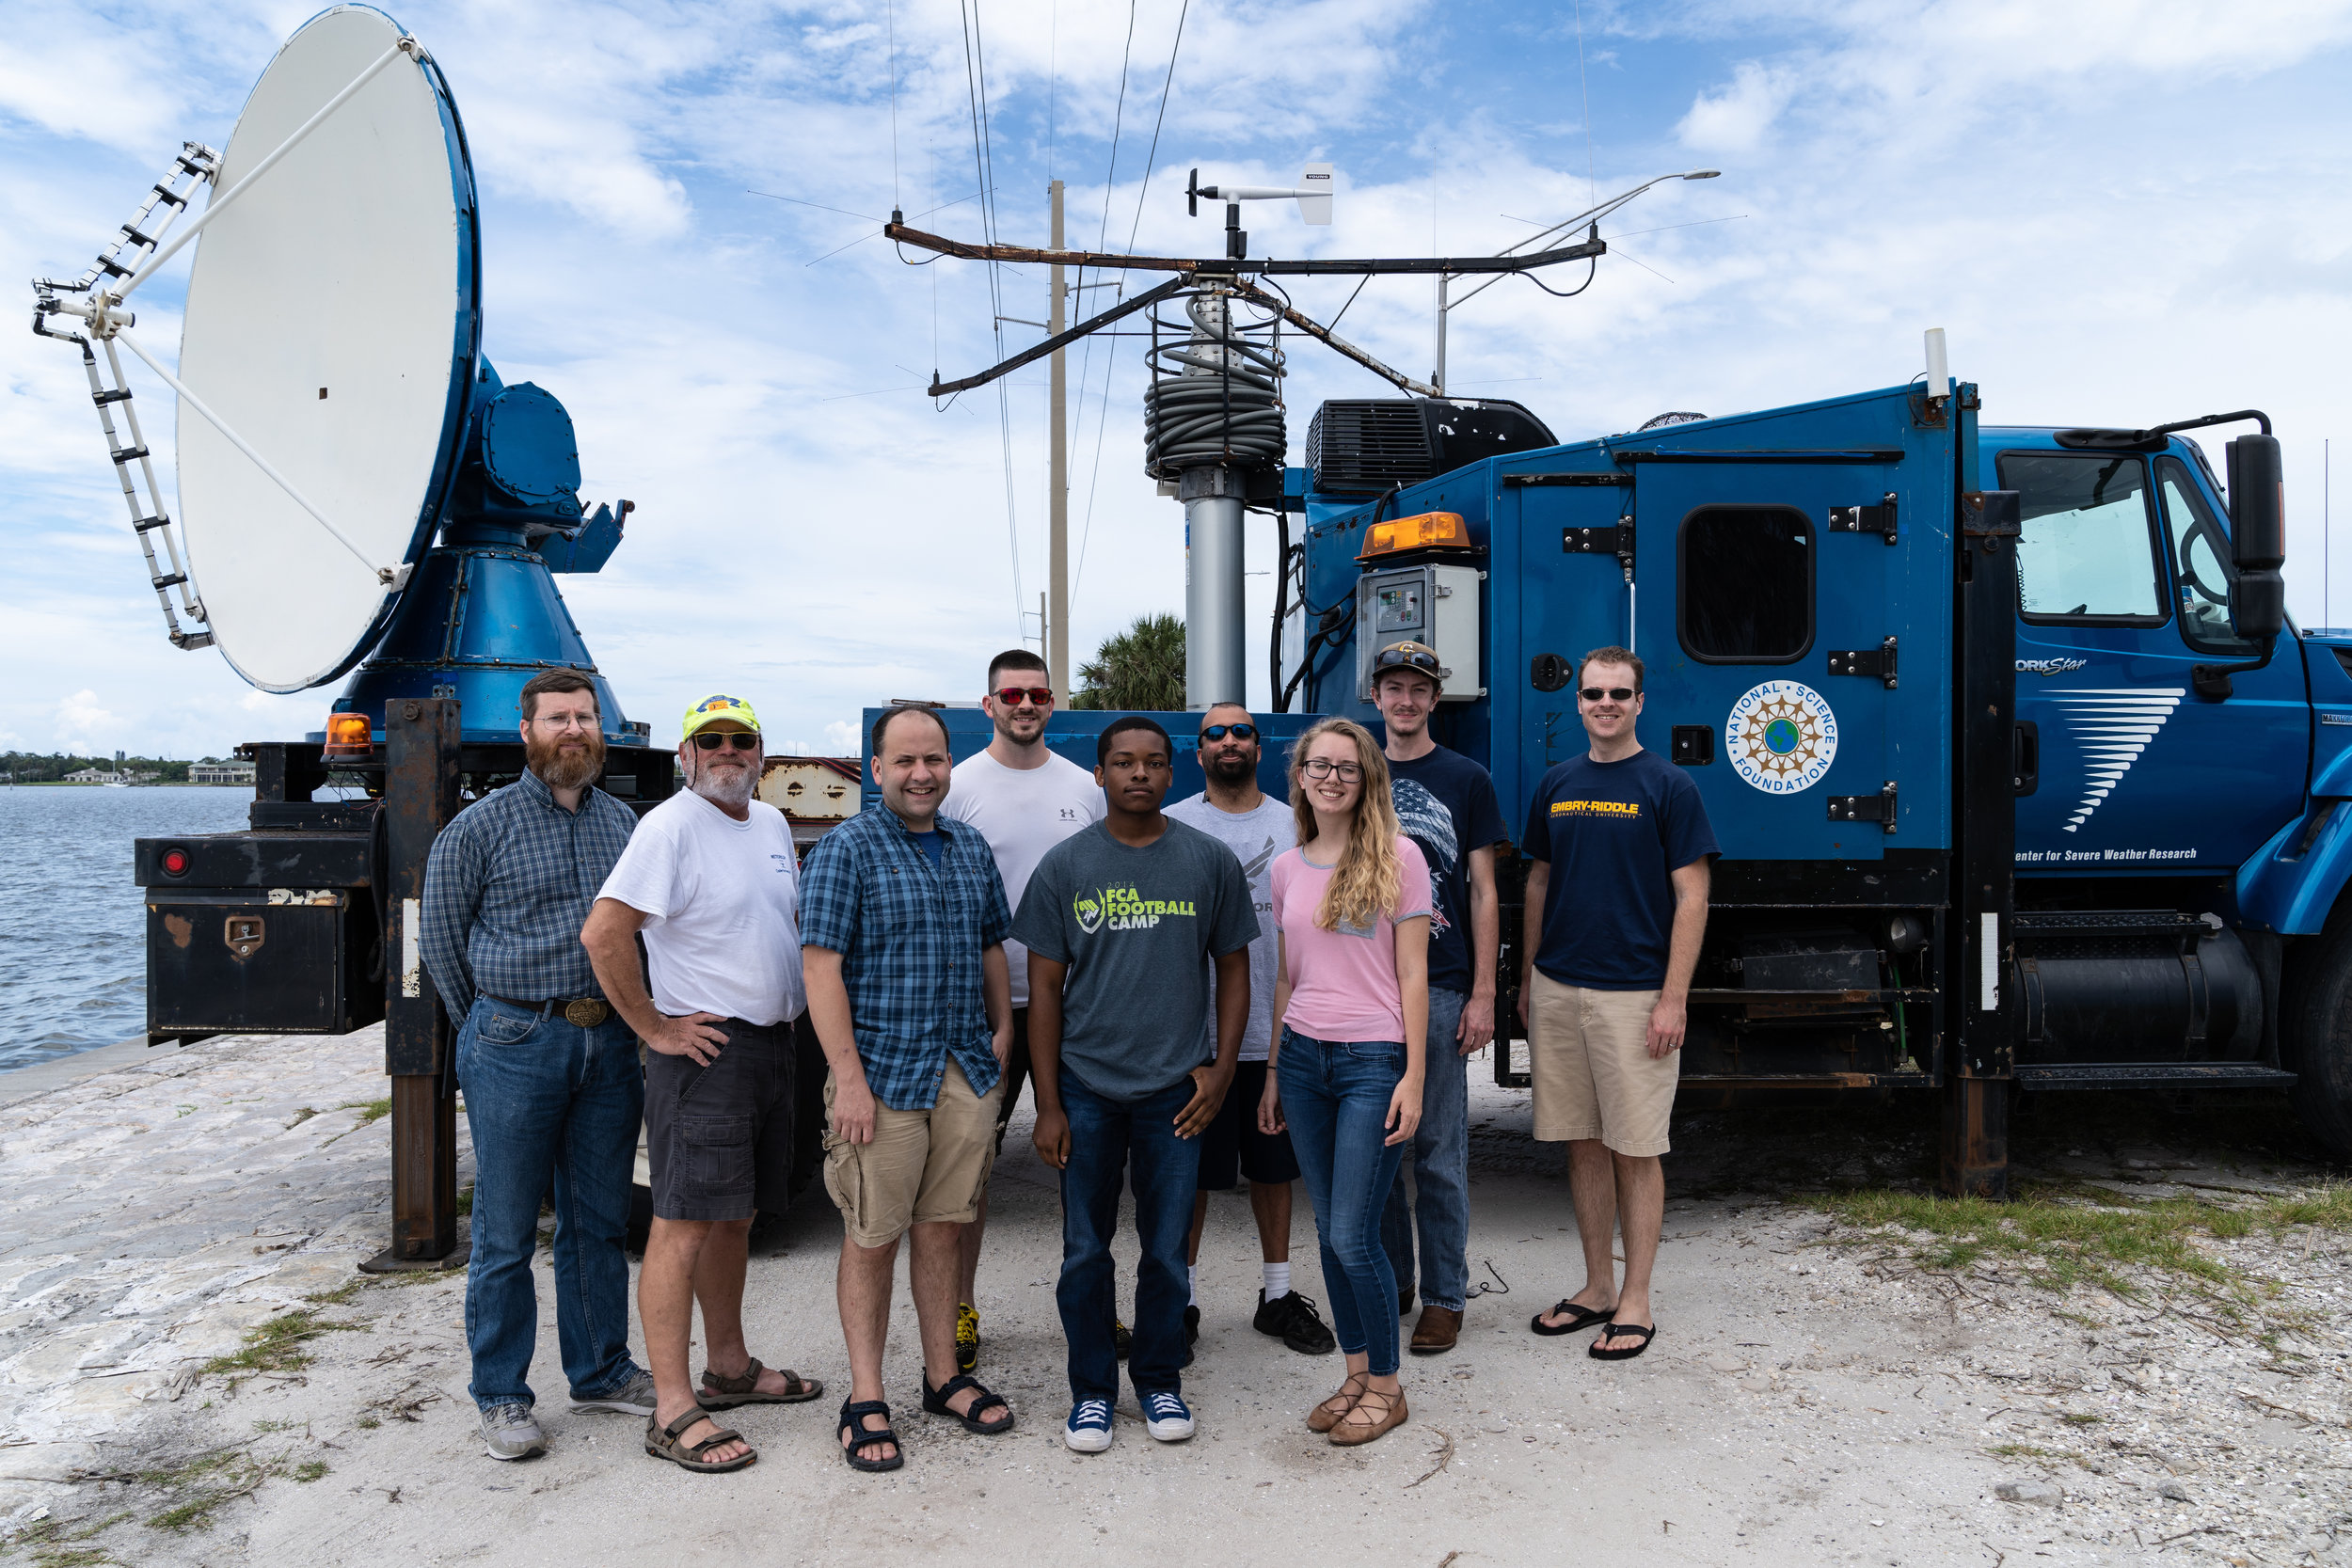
(1617, 901)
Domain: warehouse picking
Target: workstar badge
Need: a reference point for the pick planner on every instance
(1782, 736)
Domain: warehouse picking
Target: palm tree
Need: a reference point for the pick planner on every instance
(1139, 669)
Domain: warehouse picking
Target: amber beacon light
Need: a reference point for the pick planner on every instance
(1424, 530)
(347, 737)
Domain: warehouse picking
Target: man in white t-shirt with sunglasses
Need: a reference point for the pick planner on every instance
(1023, 799)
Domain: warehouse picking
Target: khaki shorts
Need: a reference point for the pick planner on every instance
(923, 1166)
(1590, 1061)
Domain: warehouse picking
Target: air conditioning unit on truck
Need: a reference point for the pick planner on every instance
(2022, 779)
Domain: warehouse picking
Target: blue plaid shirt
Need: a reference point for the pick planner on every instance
(507, 890)
(910, 939)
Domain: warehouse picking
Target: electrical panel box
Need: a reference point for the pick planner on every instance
(1430, 604)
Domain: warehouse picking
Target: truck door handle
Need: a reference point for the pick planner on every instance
(2024, 758)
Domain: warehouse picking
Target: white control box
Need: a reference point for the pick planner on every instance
(1436, 605)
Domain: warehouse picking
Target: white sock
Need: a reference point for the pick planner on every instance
(1278, 1280)
(1192, 1286)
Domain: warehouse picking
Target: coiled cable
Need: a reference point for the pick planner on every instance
(1215, 396)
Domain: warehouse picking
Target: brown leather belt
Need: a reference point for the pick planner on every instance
(587, 1012)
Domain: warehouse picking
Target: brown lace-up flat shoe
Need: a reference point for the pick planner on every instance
(1331, 1412)
(1388, 1409)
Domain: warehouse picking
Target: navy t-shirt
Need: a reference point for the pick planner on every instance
(1446, 804)
(1615, 834)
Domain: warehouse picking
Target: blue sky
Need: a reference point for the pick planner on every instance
(2121, 212)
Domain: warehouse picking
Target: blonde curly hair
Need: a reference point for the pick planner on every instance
(1365, 883)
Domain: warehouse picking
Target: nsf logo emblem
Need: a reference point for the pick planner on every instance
(1782, 736)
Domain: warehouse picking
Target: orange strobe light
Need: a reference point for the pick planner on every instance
(1424, 530)
(347, 737)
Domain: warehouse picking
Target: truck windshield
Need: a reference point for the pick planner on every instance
(2200, 555)
(2085, 552)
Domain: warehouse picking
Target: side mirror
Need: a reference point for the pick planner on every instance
(2258, 601)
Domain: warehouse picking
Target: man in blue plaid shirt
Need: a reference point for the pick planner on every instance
(903, 930)
(553, 1090)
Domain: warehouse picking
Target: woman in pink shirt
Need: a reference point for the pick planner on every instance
(1351, 909)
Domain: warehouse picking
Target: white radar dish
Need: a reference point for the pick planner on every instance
(331, 323)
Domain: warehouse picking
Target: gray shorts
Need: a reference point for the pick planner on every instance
(720, 1137)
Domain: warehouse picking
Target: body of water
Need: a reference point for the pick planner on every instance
(72, 928)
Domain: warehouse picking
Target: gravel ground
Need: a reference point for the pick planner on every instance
(1821, 1391)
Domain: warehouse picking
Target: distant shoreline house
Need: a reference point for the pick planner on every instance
(93, 775)
(220, 773)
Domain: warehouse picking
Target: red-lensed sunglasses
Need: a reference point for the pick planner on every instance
(1042, 696)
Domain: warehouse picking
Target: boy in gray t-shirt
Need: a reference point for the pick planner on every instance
(1123, 921)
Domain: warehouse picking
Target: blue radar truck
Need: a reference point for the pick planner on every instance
(2024, 780)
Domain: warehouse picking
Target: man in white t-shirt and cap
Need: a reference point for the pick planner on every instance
(1023, 799)
(1256, 826)
(710, 881)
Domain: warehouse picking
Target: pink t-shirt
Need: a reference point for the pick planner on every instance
(1343, 982)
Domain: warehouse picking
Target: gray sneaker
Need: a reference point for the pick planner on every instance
(633, 1397)
(510, 1432)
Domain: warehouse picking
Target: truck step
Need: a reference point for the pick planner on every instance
(2104, 1075)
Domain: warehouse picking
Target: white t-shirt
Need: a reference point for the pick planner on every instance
(722, 905)
(1022, 813)
(1255, 837)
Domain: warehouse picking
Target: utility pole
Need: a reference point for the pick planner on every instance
(1058, 485)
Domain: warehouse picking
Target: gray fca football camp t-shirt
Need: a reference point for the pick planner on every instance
(1255, 837)
(1137, 927)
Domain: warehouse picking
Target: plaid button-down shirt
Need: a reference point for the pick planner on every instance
(507, 890)
(910, 939)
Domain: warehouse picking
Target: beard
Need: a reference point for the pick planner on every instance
(731, 787)
(1228, 769)
(560, 769)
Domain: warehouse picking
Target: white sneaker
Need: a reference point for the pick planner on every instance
(1089, 1427)
(510, 1432)
(1167, 1418)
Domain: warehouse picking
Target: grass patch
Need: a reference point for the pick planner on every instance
(200, 1488)
(280, 1345)
(2026, 1451)
(2081, 1418)
(300, 1116)
(465, 1199)
(58, 1543)
(310, 1470)
(367, 1423)
(370, 1110)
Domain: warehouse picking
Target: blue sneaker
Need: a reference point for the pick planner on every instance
(1167, 1418)
(1090, 1428)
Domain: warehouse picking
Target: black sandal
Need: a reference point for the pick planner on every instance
(1615, 1329)
(935, 1401)
(1580, 1318)
(853, 1414)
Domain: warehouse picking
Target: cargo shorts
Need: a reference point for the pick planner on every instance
(924, 1167)
(1589, 1061)
(719, 1138)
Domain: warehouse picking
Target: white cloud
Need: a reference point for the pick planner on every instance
(1737, 118)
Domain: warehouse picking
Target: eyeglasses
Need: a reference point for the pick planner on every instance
(567, 721)
(1013, 696)
(1615, 693)
(1323, 767)
(739, 740)
(1239, 731)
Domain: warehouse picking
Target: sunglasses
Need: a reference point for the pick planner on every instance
(1239, 731)
(1011, 696)
(711, 740)
(1615, 693)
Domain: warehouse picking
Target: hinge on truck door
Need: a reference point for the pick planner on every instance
(1877, 662)
(1879, 808)
(1617, 540)
(1865, 519)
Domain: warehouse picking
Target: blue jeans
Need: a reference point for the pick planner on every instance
(1440, 1170)
(1335, 1095)
(551, 1106)
(1109, 1138)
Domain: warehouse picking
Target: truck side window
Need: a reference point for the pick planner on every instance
(2201, 556)
(1744, 584)
(2088, 552)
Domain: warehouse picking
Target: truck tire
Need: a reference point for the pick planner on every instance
(2318, 1034)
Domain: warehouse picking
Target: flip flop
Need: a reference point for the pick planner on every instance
(1580, 1318)
(1647, 1333)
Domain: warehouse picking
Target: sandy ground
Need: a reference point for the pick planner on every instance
(1814, 1396)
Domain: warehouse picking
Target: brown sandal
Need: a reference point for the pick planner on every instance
(662, 1443)
(1348, 1436)
(726, 1393)
(1331, 1412)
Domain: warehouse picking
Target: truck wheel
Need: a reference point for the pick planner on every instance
(2318, 1016)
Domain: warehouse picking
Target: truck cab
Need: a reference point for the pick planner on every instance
(2021, 776)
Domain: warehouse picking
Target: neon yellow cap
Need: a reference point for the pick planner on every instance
(711, 709)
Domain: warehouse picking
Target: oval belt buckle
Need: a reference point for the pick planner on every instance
(586, 1013)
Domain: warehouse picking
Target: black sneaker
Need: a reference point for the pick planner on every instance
(1192, 1325)
(1292, 1319)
